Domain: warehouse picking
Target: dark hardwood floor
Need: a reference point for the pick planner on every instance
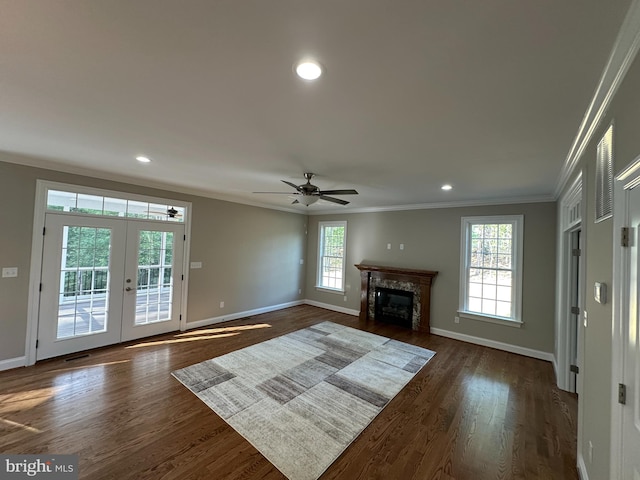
(470, 413)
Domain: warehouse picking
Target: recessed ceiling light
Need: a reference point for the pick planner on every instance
(446, 187)
(142, 159)
(308, 70)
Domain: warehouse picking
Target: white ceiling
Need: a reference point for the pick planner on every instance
(486, 95)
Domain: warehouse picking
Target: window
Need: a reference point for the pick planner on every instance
(491, 269)
(331, 255)
(75, 202)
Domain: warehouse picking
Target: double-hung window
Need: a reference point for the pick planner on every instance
(491, 269)
(331, 255)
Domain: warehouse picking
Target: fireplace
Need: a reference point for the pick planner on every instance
(408, 281)
(394, 306)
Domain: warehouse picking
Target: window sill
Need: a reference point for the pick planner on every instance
(491, 319)
(330, 290)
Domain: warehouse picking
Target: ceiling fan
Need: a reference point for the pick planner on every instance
(309, 193)
(169, 212)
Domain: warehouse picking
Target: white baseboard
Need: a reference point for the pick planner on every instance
(12, 363)
(507, 347)
(528, 352)
(582, 468)
(555, 370)
(335, 308)
(234, 316)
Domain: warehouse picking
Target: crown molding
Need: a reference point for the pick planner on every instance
(429, 206)
(620, 59)
(57, 166)
(47, 164)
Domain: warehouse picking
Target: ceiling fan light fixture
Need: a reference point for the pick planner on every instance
(143, 159)
(308, 199)
(446, 187)
(308, 69)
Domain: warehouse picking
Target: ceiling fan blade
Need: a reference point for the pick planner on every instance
(338, 192)
(293, 185)
(294, 202)
(334, 200)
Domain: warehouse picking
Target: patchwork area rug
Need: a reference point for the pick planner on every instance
(302, 398)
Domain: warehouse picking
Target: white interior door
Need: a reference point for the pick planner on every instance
(631, 338)
(153, 279)
(107, 280)
(81, 284)
(576, 309)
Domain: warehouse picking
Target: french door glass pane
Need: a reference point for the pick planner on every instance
(84, 281)
(154, 294)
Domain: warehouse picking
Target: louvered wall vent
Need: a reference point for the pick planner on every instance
(604, 177)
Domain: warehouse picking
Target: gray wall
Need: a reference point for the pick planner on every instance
(251, 256)
(595, 402)
(432, 242)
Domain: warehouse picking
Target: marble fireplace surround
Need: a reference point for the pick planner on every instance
(406, 279)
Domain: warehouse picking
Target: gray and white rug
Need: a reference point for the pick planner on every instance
(302, 398)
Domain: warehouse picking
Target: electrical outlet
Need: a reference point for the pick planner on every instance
(221, 304)
(345, 298)
(299, 291)
(585, 319)
(388, 246)
(590, 452)
(9, 272)
(402, 246)
(456, 319)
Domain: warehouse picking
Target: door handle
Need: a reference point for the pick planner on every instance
(128, 289)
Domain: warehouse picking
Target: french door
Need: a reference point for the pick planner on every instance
(106, 280)
(153, 279)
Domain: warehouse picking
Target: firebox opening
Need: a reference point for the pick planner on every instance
(394, 306)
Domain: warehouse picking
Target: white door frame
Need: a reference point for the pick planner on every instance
(628, 178)
(37, 243)
(572, 212)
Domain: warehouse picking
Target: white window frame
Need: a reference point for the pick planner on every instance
(321, 229)
(517, 222)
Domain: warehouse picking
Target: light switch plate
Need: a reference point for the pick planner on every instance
(9, 272)
(196, 264)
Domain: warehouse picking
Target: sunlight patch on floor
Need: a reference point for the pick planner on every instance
(24, 400)
(182, 340)
(238, 328)
(203, 334)
(85, 367)
(19, 425)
